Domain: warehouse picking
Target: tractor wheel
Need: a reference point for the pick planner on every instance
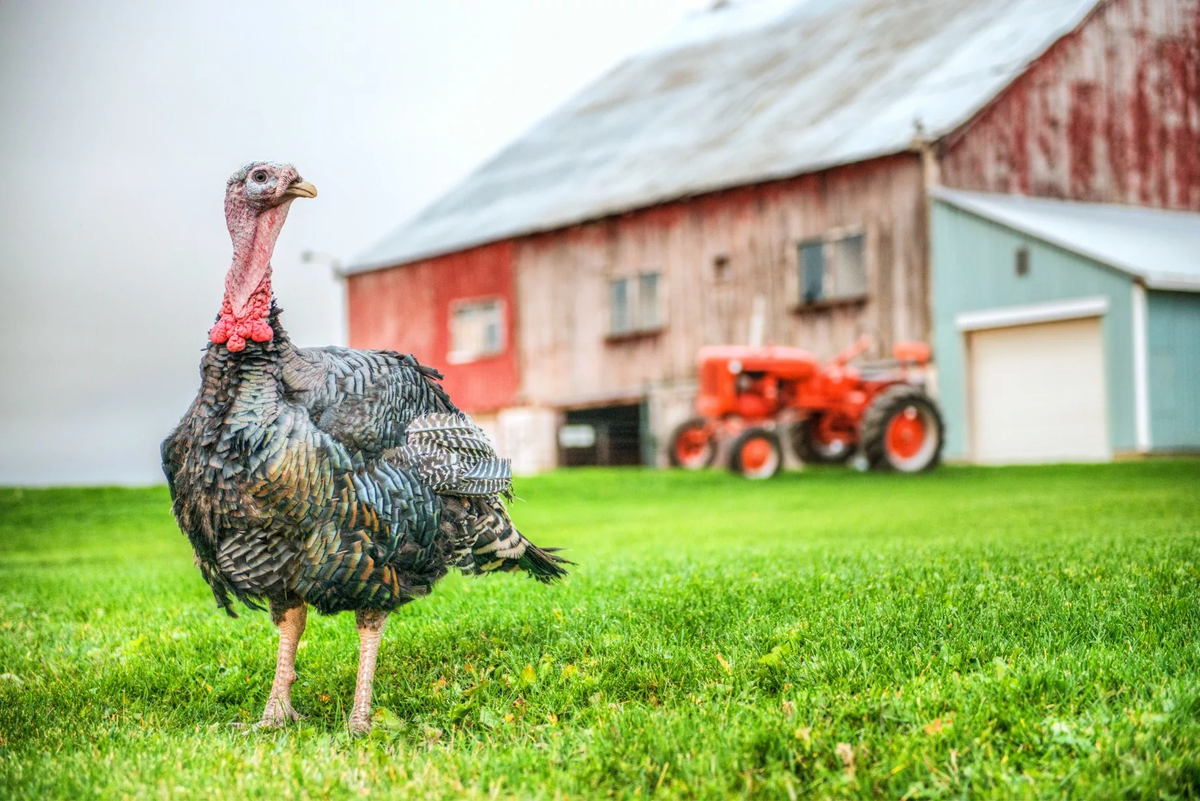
(814, 443)
(903, 431)
(693, 445)
(756, 453)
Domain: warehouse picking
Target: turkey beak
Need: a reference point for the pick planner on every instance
(301, 189)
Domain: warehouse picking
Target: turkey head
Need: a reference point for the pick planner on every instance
(257, 198)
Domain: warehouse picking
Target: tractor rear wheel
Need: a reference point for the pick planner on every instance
(816, 443)
(756, 453)
(903, 431)
(693, 445)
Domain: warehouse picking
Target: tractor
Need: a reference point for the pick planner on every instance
(751, 399)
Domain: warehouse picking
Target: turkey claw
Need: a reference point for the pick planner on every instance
(277, 715)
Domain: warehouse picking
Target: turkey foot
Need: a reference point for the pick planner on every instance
(370, 632)
(278, 713)
(290, 620)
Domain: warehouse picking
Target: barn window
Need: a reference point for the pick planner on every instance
(635, 304)
(812, 271)
(833, 268)
(476, 330)
(1022, 260)
(849, 268)
(721, 268)
(648, 301)
(622, 320)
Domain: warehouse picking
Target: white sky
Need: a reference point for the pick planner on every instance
(120, 121)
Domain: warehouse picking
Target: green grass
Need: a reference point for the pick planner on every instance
(986, 633)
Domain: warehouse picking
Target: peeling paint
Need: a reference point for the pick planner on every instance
(1111, 113)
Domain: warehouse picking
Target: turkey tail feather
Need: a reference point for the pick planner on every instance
(490, 543)
(520, 554)
(453, 456)
(543, 564)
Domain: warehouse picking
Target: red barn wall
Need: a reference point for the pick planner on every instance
(407, 309)
(1111, 113)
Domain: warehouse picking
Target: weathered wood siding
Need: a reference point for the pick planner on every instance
(562, 279)
(1111, 113)
(407, 309)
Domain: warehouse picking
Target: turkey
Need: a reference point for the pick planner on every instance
(327, 477)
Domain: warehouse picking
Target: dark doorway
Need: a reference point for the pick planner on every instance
(615, 437)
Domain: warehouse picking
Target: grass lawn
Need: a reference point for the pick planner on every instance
(1024, 632)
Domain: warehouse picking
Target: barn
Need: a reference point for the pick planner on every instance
(775, 163)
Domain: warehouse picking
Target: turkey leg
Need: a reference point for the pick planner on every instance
(370, 632)
(290, 621)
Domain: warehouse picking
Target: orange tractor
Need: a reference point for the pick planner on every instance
(752, 398)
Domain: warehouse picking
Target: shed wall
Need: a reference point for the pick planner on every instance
(973, 264)
(1111, 113)
(562, 280)
(407, 309)
(1173, 339)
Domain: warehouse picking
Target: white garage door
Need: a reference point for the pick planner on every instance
(1038, 393)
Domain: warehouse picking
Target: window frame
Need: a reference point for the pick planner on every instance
(829, 242)
(625, 284)
(635, 284)
(642, 323)
(467, 357)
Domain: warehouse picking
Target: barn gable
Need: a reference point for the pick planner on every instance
(747, 93)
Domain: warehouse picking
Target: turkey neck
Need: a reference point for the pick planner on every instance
(254, 233)
(246, 306)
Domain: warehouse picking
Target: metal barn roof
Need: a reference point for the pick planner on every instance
(1160, 247)
(748, 92)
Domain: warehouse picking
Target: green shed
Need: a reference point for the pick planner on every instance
(1064, 331)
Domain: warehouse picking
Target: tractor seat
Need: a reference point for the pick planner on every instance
(911, 352)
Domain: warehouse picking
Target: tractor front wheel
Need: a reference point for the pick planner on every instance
(903, 431)
(756, 453)
(817, 440)
(693, 445)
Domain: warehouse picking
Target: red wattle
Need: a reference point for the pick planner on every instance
(233, 330)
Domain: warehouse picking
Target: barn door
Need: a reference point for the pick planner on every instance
(609, 435)
(1038, 393)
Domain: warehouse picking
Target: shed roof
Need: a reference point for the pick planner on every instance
(1162, 248)
(748, 92)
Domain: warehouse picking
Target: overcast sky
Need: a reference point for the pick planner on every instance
(121, 120)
